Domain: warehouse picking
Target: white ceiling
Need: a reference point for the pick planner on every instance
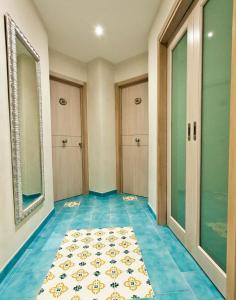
(70, 25)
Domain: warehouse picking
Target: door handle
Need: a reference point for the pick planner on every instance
(137, 140)
(80, 145)
(189, 132)
(64, 142)
(194, 131)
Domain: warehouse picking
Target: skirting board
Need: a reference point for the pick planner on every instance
(152, 212)
(103, 194)
(21, 251)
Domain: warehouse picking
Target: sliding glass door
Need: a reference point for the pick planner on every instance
(216, 75)
(178, 125)
(177, 116)
(199, 59)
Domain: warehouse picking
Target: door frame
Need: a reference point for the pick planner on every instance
(84, 132)
(179, 12)
(118, 114)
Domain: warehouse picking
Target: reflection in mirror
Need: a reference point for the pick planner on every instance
(29, 125)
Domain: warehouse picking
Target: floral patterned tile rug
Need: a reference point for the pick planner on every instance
(71, 204)
(101, 264)
(130, 198)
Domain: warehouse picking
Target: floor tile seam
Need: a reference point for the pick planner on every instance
(203, 273)
(173, 291)
(182, 275)
(178, 292)
(190, 284)
(174, 262)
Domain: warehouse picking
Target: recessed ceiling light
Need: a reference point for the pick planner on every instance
(99, 30)
(210, 34)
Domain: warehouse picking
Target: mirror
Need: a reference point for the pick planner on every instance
(26, 121)
(28, 102)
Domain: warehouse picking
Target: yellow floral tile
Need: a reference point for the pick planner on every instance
(84, 254)
(142, 270)
(58, 256)
(58, 290)
(127, 260)
(76, 234)
(99, 233)
(96, 286)
(98, 262)
(132, 283)
(87, 240)
(80, 275)
(124, 244)
(99, 246)
(137, 251)
(113, 272)
(122, 231)
(75, 298)
(72, 248)
(116, 296)
(112, 252)
(111, 238)
(133, 237)
(50, 276)
(66, 265)
(65, 241)
(150, 294)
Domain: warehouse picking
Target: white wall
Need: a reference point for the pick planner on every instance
(61, 64)
(152, 72)
(133, 67)
(11, 238)
(101, 126)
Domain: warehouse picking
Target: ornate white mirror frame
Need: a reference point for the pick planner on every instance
(12, 33)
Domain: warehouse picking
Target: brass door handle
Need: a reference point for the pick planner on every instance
(80, 145)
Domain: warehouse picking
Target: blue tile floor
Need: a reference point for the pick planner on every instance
(174, 274)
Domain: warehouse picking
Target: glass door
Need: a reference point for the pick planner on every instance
(178, 115)
(214, 23)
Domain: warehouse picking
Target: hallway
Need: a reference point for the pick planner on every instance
(173, 272)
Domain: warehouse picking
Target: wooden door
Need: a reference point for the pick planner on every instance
(66, 140)
(134, 114)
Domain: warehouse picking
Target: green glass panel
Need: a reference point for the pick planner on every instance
(178, 130)
(217, 30)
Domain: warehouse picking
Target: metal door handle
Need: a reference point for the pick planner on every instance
(189, 132)
(80, 145)
(137, 140)
(64, 142)
(194, 131)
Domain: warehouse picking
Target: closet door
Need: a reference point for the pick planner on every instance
(214, 22)
(135, 139)
(179, 131)
(66, 140)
